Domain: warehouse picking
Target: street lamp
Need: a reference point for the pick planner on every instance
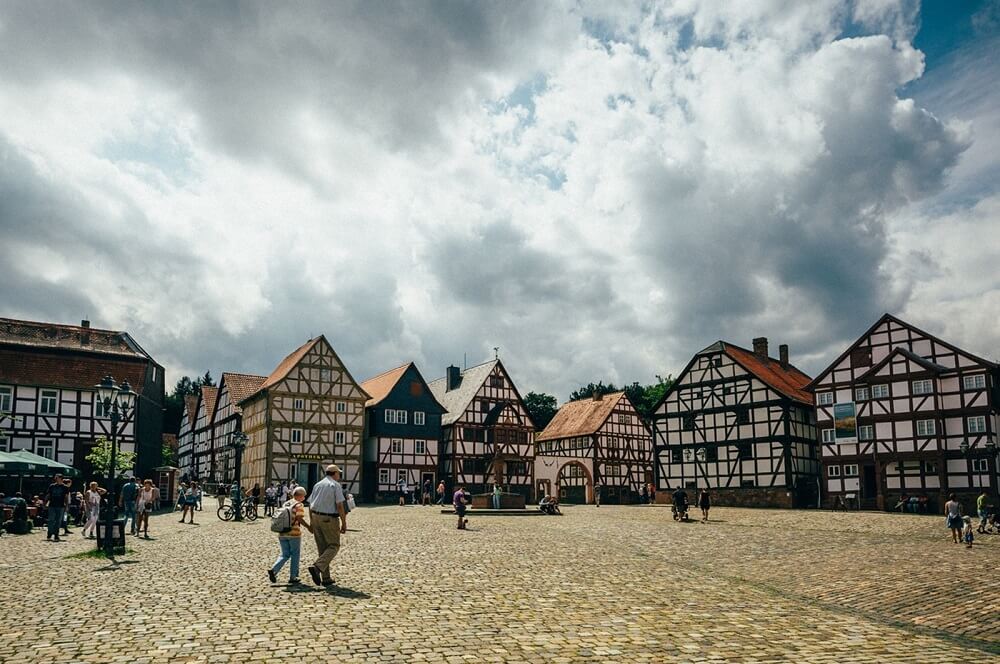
(237, 441)
(991, 448)
(118, 402)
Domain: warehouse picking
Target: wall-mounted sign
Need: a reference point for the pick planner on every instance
(845, 422)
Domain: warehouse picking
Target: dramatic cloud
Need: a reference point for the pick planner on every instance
(599, 190)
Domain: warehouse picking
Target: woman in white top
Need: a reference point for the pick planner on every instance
(144, 505)
(92, 505)
(953, 517)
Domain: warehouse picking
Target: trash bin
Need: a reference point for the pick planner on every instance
(117, 532)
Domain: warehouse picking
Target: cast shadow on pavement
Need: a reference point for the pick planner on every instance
(337, 591)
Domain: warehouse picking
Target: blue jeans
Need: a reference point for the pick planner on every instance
(55, 520)
(496, 502)
(130, 512)
(291, 547)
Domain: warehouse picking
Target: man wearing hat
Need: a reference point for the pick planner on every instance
(326, 508)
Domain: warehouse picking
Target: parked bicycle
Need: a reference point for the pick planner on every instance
(248, 508)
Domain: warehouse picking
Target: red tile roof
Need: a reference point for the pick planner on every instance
(209, 395)
(191, 405)
(287, 364)
(787, 380)
(241, 386)
(378, 387)
(42, 367)
(580, 418)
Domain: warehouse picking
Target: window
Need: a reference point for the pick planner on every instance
(6, 399)
(397, 446)
(744, 451)
(923, 387)
(341, 406)
(383, 476)
(401, 417)
(484, 406)
(49, 402)
(420, 447)
(45, 448)
(339, 437)
(675, 455)
(925, 427)
(325, 374)
(747, 484)
(299, 404)
(390, 416)
(829, 436)
(861, 394)
(716, 361)
(296, 435)
(977, 424)
(687, 423)
(400, 475)
(688, 455)
(622, 418)
(850, 470)
(824, 398)
(833, 471)
(880, 391)
(98, 407)
(743, 416)
(419, 418)
(711, 454)
(866, 432)
(976, 382)
(473, 466)
(930, 467)
(496, 381)
(980, 465)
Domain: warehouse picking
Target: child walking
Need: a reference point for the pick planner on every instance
(967, 535)
(291, 541)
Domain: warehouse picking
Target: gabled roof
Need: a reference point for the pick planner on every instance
(191, 406)
(286, 365)
(456, 401)
(378, 387)
(889, 317)
(910, 355)
(787, 380)
(580, 418)
(208, 396)
(240, 386)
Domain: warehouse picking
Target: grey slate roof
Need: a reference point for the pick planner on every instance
(457, 401)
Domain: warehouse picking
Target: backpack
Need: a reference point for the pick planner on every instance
(281, 522)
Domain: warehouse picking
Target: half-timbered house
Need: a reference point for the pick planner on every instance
(201, 446)
(402, 433)
(487, 433)
(740, 423)
(185, 436)
(309, 412)
(595, 440)
(47, 377)
(903, 412)
(227, 420)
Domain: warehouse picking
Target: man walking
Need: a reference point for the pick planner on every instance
(326, 507)
(57, 499)
(127, 501)
(597, 493)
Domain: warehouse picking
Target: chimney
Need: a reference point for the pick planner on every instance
(85, 334)
(597, 396)
(760, 347)
(453, 378)
(783, 355)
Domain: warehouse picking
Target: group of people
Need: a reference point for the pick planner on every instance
(961, 525)
(188, 500)
(426, 493)
(681, 505)
(327, 522)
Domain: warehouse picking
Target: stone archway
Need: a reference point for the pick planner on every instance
(574, 483)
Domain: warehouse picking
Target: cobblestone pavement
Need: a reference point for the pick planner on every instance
(610, 584)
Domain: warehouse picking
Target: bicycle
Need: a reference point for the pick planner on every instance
(248, 510)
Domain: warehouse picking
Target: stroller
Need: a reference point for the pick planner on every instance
(680, 512)
(992, 522)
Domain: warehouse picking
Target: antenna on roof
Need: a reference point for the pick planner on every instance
(465, 361)
(496, 352)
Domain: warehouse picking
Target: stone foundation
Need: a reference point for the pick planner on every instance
(742, 497)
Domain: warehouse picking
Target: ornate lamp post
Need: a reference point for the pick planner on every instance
(119, 402)
(994, 452)
(238, 441)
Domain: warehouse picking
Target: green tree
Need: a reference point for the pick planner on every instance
(542, 408)
(100, 458)
(173, 403)
(643, 397)
(168, 455)
(588, 390)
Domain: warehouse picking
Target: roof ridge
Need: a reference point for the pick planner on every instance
(40, 323)
(240, 373)
(474, 366)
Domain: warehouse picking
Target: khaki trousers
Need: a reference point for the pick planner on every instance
(326, 532)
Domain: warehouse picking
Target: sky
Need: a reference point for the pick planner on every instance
(598, 189)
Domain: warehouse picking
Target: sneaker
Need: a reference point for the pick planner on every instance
(271, 575)
(327, 582)
(314, 573)
(48, 538)
(57, 539)
(294, 582)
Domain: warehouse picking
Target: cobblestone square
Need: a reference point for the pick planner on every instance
(614, 584)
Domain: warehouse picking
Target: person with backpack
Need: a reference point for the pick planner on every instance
(286, 522)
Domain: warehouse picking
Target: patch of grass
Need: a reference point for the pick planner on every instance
(95, 553)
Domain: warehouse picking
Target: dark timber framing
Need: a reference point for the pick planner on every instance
(739, 423)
